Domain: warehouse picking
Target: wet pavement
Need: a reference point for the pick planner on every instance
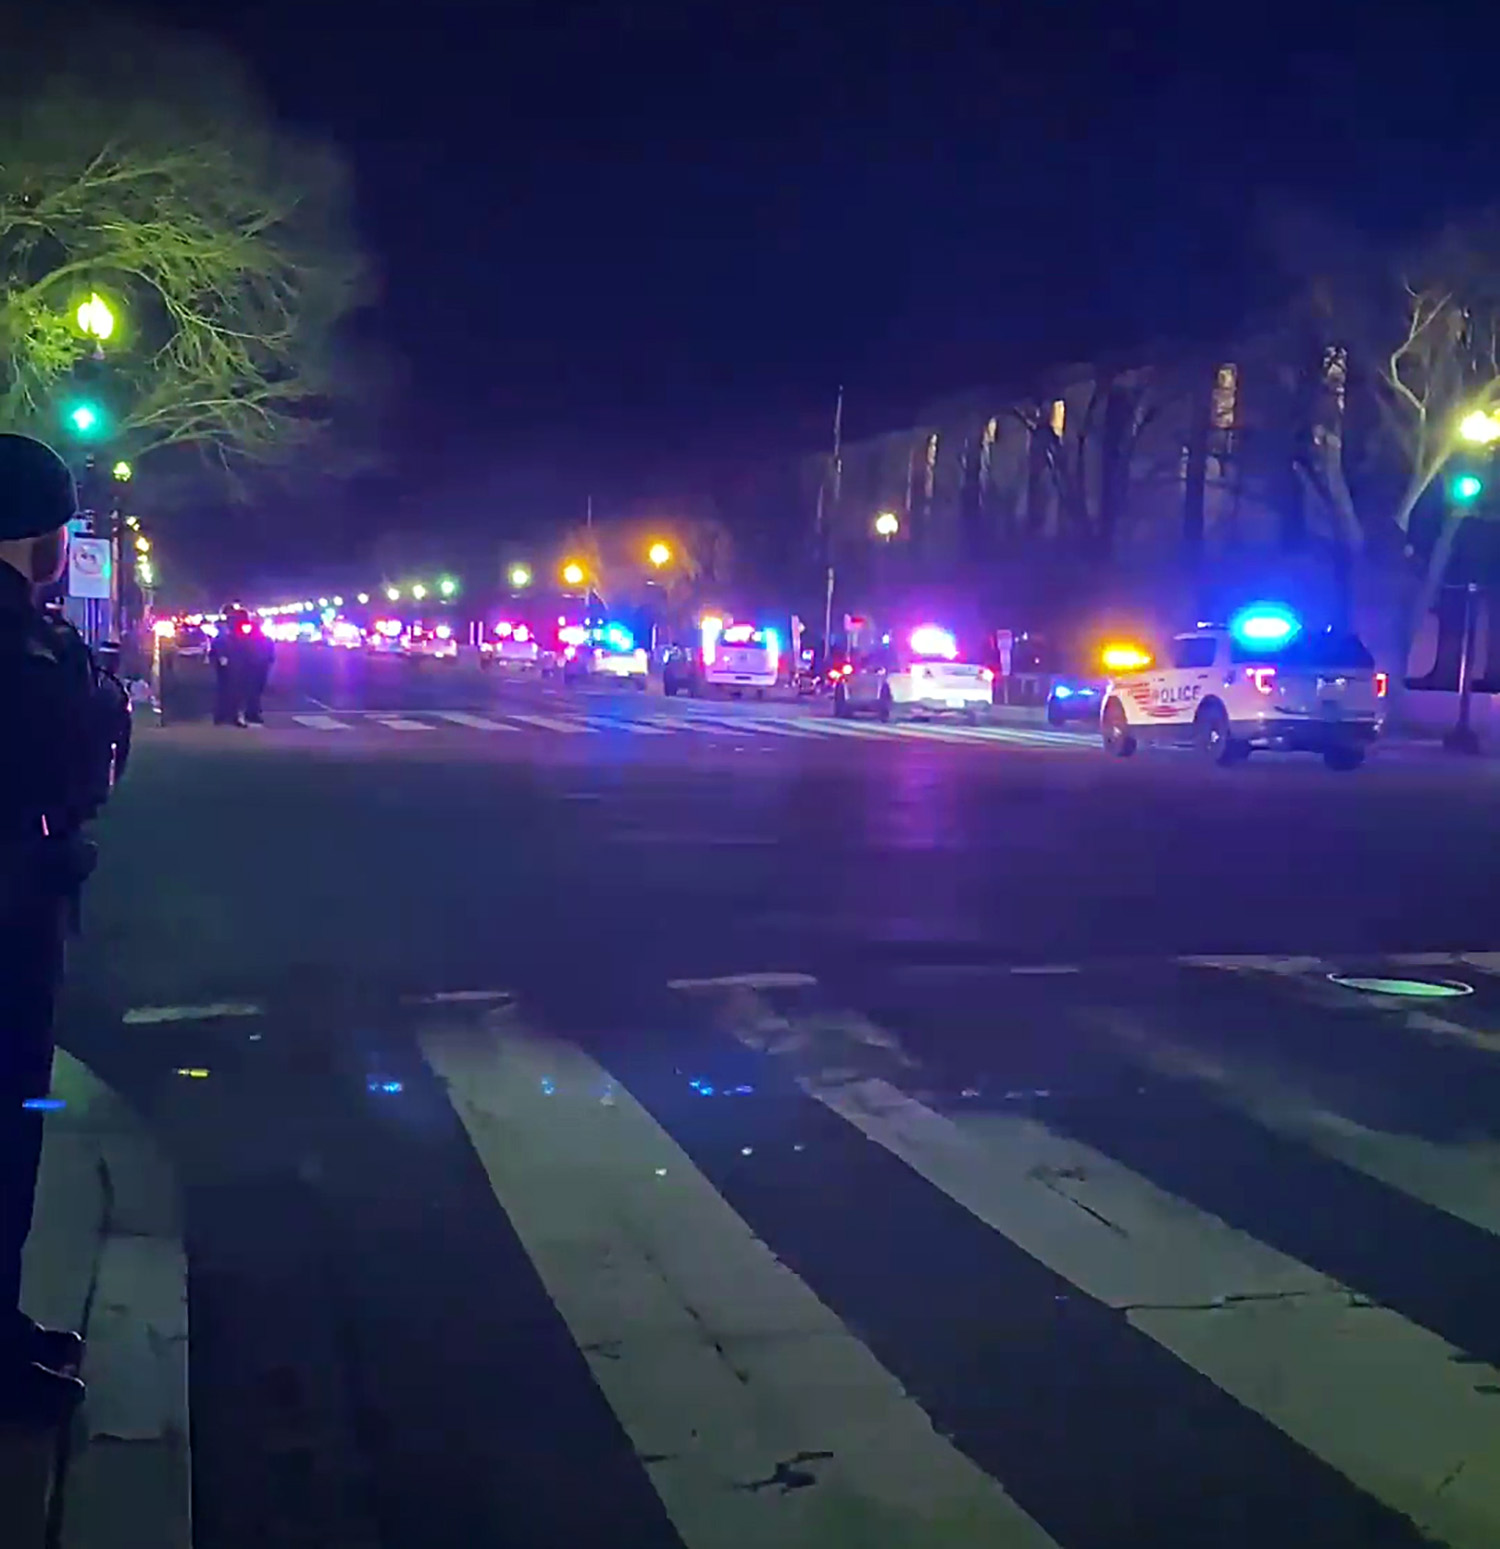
(888, 1141)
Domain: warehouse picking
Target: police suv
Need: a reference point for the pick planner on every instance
(1263, 682)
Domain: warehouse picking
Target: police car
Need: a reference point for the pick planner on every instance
(1262, 682)
(922, 674)
(603, 651)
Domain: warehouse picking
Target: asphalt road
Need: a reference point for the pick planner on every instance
(643, 1122)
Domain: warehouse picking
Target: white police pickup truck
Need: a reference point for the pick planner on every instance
(1262, 682)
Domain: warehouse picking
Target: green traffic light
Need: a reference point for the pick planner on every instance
(1467, 487)
(84, 419)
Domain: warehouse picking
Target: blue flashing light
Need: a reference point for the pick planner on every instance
(1268, 625)
(1062, 691)
(549, 1086)
(43, 1104)
(385, 1086)
(618, 638)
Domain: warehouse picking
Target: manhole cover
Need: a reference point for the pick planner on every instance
(1415, 989)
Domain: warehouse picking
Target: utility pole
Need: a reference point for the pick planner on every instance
(830, 487)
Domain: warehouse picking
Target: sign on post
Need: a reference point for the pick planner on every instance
(90, 568)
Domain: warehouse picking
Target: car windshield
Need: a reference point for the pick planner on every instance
(1316, 649)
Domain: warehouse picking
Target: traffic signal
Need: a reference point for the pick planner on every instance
(1466, 488)
(84, 418)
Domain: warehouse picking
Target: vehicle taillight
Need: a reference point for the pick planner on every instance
(1264, 678)
(987, 674)
(1382, 684)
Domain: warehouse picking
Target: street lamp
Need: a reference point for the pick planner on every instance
(95, 319)
(887, 525)
(393, 594)
(362, 599)
(447, 586)
(1480, 428)
(572, 573)
(520, 577)
(659, 554)
(419, 591)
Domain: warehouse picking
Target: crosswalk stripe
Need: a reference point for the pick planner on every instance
(721, 1365)
(475, 722)
(1393, 1407)
(1462, 1180)
(403, 723)
(632, 727)
(322, 722)
(546, 722)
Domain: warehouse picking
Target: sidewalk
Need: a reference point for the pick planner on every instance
(106, 1257)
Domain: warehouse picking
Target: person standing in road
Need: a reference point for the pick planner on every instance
(234, 668)
(64, 733)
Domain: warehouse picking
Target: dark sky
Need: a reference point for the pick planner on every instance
(649, 234)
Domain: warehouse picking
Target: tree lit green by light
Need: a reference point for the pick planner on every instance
(1415, 989)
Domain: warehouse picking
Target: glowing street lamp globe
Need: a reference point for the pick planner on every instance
(659, 554)
(887, 524)
(573, 574)
(1481, 428)
(95, 318)
(520, 576)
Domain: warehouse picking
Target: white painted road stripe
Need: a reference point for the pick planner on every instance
(403, 723)
(635, 728)
(144, 1016)
(322, 723)
(476, 722)
(1393, 1407)
(1462, 1180)
(546, 722)
(719, 1363)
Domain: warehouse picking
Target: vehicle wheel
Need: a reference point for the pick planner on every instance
(1343, 759)
(841, 706)
(1115, 730)
(971, 718)
(885, 710)
(1211, 734)
(1055, 717)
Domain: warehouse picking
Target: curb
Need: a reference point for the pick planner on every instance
(106, 1256)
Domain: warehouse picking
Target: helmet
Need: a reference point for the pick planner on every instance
(37, 493)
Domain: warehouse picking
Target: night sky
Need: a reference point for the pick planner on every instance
(645, 237)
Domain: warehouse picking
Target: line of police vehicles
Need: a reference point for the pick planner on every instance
(1263, 679)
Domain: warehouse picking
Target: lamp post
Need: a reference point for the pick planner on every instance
(519, 577)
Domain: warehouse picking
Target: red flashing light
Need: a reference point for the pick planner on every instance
(1382, 684)
(1264, 678)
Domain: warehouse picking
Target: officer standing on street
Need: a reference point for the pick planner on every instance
(64, 734)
